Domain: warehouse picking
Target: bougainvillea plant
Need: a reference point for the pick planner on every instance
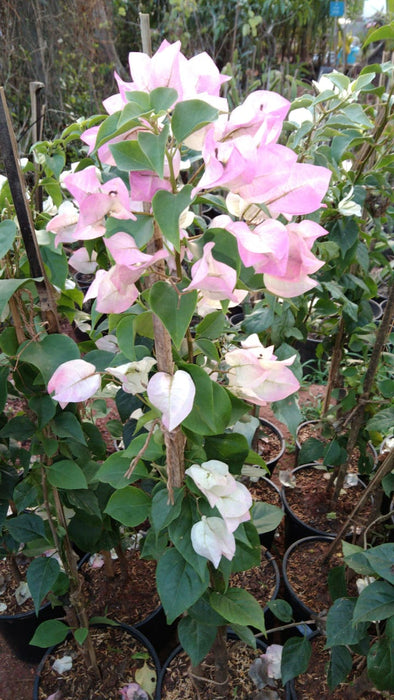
(166, 271)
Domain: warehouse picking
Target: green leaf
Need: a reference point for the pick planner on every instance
(202, 611)
(295, 658)
(382, 421)
(7, 236)
(211, 407)
(196, 638)
(238, 607)
(163, 511)
(4, 373)
(231, 448)
(337, 582)
(174, 310)
(85, 530)
(49, 353)
(211, 326)
(266, 517)
(41, 576)
(162, 98)
(25, 494)
(380, 664)
(376, 602)
(66, 474)
(281, 609)
(177, 584)
(44, 407)
(81, 634)
(153, 147)
(382, 33)
(341, 629)
(129, 156)
(130, 506)
(113, 470)
(245, 634)
(26, 527)
(287, 412)
(381, 560)
(8, 288)
(339, 667)
(191, 115)
(50, 633)
(19, 428)
(179, 533)
(66, 425)
(167, 208)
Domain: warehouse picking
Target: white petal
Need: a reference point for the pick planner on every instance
(173, 395)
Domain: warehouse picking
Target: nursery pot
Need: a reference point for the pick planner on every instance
(181, 684)
(301, 611)
(18, 629)
(296, 527)
(263, 437)
(126, 629)
(307, 351)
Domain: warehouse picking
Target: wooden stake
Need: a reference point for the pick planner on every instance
(17, 185)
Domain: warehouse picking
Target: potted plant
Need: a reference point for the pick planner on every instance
(168, 145)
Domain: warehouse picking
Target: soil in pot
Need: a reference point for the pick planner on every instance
(125, 598)
(18, 622)
(130, 597)
(309, 502)
(306, 572)
(312, 684)
(177, 683)
(313, 429)
(269, 443)
(120, 655)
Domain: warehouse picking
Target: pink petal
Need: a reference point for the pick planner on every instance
(74, 381)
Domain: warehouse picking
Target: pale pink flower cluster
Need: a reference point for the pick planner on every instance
(212, 537)
(256, 375)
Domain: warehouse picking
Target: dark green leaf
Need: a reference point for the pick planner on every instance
(295, 658)
(41, 576)
(337, 582)
(163, 511)
(266, 517)
(381, 560)
(49, 353)
(341, 628)
(175, 311)
(129, 156)
(177, 584)
(339, 667)
(7, 235)
(66, 425)
(380, 664)
(167, 208)
(153, 147)
(19, 428)
(231, 448)
(281, 609)
(196, 638)
(376, 602)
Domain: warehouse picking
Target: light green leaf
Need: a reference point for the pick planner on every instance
(81, 634)
(8, 288)
(113, 470)
(266, 517)
(191, 115)
(50, 633)
(381, 560)
(7, 236)
(129, 156)
(130, 506)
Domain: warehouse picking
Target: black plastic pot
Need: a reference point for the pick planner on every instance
(127, 629)
(260, 644)
(271, 463)
(308, 354)
(18, 630)
(295, 528)
(300, 610)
